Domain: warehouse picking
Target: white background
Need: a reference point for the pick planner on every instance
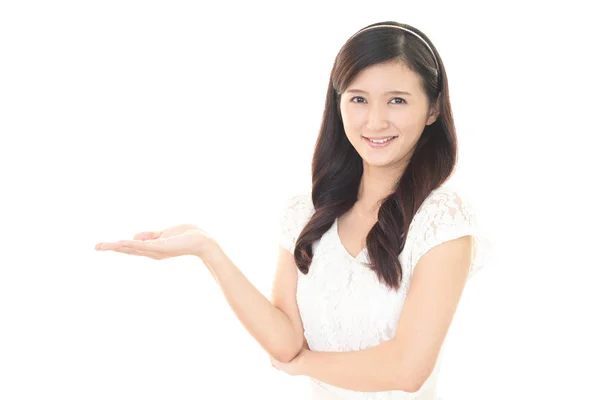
(121, 116)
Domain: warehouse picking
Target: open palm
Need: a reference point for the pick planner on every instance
(178, 240)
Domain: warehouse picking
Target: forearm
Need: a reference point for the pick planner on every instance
(375, 369)
(270, 326)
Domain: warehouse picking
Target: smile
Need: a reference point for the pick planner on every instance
(379, 143)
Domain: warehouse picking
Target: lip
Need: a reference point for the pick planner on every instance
(379, 145)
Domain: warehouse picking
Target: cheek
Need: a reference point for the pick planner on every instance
(406, 123)
(353, 120)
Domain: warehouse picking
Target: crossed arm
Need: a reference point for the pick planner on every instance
(405, 362)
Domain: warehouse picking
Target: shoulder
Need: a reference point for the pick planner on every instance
(295, 214)
(300, 200)
(299, 205)
(444, 206)
(445, 215)
(297, 210)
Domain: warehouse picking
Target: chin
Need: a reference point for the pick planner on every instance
(378, 163)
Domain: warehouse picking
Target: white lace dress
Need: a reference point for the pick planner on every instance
(343, 305)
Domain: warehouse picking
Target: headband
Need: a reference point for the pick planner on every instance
(406, 30)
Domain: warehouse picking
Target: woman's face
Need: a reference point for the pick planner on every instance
(385, 100)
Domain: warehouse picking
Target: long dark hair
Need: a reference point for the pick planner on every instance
(337, 168)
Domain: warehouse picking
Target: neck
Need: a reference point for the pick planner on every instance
(376, 184)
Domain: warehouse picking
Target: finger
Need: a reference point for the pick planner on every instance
(134, 252)
(144, 245)
(147, 235)
(108, 246)
(144, 236)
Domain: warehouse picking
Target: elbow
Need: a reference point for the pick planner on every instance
(287, 350)
(286, 355)
(411, 386)
(411, 380)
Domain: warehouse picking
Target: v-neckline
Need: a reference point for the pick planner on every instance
(341, 244)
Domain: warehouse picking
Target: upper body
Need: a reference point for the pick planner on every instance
(340, 302)
(386, 146)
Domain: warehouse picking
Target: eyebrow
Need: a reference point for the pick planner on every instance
(388, 92)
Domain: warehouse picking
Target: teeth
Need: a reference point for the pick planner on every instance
(381, 140)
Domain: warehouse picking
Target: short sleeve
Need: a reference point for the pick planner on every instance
(293, 217)
(445, 216)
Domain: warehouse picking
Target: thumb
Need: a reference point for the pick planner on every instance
(147, 235)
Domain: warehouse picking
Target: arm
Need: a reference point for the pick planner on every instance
(279, 333)
(369, 370)
(405, 362)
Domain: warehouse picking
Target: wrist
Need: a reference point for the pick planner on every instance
(208, 250)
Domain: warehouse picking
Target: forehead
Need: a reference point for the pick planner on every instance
(395, 75)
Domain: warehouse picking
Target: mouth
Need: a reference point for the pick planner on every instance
(381, 142)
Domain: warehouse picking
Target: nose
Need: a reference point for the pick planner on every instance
(377, 119)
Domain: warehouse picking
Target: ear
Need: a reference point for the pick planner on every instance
(434, 112)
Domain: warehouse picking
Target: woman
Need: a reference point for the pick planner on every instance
(374, 260)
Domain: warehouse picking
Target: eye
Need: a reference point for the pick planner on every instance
(360, 100)
(357, 97)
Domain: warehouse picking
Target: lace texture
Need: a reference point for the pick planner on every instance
(343, 305)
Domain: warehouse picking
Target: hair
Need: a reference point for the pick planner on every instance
(337, 168)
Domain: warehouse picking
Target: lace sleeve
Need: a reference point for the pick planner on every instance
(294, 216)
(444, 217)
